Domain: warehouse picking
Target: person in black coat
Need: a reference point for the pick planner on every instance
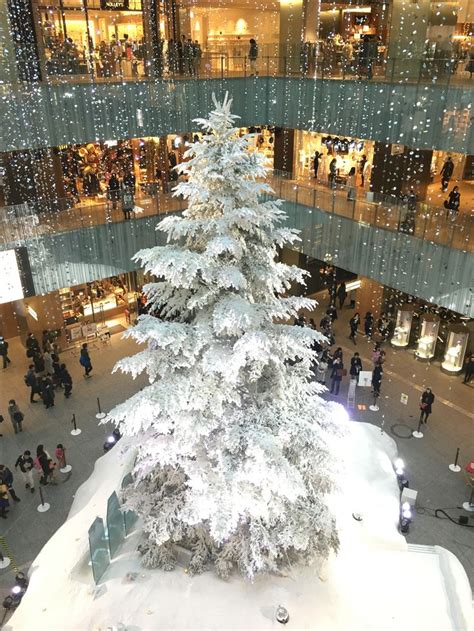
(32, 345)
(368, 324)
(4, 352)
(43, 461)
(356, 366)
(31, 380)
(316, 159)
(426, 401)
(6, 477)
(446, 173)
(66, 380)
(47, 392)
(453, 202)
(342, 294)
(354, 325)
(337, 373)
(377, 374)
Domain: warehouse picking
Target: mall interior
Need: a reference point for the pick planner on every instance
(363, 111)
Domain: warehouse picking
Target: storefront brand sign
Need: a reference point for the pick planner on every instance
(114, 4)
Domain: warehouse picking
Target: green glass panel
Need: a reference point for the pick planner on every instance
(99, 549)
(115, 524)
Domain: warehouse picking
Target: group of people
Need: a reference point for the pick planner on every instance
(183, 56)
(43, 464)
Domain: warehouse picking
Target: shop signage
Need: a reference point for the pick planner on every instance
(114, 5)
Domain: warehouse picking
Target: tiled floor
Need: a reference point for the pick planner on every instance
(451, 426)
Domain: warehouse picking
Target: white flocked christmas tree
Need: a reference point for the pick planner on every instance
(232, 435)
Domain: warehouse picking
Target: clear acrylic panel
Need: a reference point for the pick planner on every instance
(99, 549)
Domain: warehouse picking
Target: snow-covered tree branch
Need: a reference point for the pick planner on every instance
(232, 433)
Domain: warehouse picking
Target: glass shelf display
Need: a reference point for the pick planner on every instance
(426, 344)
(401, 334)
(456, 346)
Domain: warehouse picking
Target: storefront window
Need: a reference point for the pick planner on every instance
(103, 38)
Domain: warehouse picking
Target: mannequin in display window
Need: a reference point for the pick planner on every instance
(453, 354)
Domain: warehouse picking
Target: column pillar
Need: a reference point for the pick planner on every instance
(284, 150)
(154, 39)
(8, 72)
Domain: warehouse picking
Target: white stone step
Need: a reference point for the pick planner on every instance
(416, 547)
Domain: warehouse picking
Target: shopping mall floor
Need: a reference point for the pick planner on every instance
(450, 426)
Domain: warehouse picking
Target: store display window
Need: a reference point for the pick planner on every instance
(426, 343)
(401, 334)
(104, 40)
(348, 152)
(456, 346)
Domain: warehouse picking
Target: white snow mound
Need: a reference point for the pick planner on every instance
(375, 583)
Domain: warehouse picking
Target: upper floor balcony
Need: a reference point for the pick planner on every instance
(424, 102)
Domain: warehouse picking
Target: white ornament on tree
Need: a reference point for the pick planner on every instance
(232, 435)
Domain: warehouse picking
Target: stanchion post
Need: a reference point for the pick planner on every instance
(44, 506)
(76, 431)
(455, 467)
(100, 415)
(4, 561)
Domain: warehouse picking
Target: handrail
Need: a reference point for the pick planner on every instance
(323, 64)
(23, 222)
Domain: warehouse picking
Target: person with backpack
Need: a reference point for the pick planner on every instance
(85, 360)
(16, 416)
(66, 380)
(6, 477)
(26, 464)
(4, 352)
(31, 380)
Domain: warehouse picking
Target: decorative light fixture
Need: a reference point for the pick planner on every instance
(282, 615)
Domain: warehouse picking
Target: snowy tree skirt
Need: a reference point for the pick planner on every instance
(376, 582)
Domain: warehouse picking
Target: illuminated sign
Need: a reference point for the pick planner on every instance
(11, 287)
(117, 5)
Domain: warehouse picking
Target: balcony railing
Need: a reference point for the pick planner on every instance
(19, 224)
(61, 67)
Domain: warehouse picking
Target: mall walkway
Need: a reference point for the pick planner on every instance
(450, 426)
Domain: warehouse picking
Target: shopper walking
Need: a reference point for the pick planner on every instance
(4, 352)
(16, 416)
(26, 464)
(342, 294)
(85, 360)
(337, 374)
(354, 325)
(332, 173)
(253, 56)
(31, 380)
(32, 345)
(362, 169)
(446, 173)
(377, 374)
(351, 185)
(6, 477)
(368, 324)
(42, 463)
(66, 380)
(468, 368)
(113, 190)
(356, 366)
(38, 362)
(426, 401)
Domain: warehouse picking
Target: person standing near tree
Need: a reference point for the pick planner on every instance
(426, 401)
(354, 325)
(85, 360)
(4, 352)
(26, 464)
(337, 373)
(16, 416)
(6, 477)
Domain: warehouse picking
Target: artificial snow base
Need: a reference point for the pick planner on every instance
(376, 582)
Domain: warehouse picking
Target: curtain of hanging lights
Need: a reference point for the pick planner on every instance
(311, 75)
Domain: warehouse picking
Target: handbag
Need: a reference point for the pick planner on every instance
(423, 406)
(18, 417)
